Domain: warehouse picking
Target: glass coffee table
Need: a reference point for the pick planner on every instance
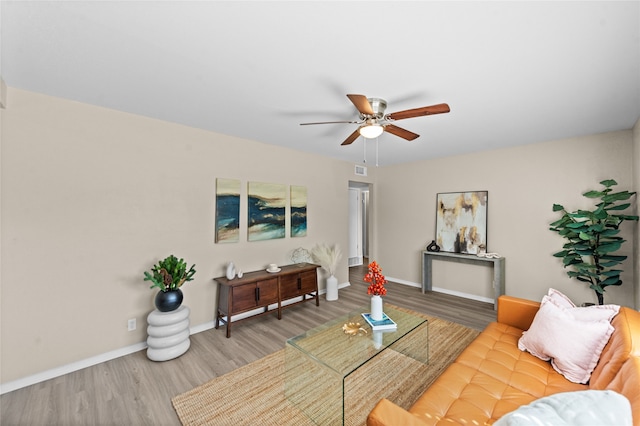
(325, 367)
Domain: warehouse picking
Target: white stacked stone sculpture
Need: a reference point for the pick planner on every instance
(168, 334)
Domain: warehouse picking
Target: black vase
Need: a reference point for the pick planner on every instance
(167, 301)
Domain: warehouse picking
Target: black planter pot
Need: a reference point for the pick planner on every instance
(167, 301)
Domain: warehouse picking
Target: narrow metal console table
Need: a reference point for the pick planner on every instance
(498, 269)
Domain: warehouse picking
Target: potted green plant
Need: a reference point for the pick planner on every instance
(169, 275)
(592, 238)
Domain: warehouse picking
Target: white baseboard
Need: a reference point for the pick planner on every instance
(444, 290)
(70, 368)
(404, 282)
(108, 356)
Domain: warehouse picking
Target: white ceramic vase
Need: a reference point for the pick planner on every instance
(376, 308)
(332, 288)
(231, 271)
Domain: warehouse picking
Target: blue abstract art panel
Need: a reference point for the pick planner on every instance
(266, 210)
(227, 210)
(298, 211)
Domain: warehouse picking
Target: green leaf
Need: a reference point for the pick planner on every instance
(610, 281)
(585, 236)
(608, 183)
(577, 225)
(626, 217)
(609, 247)
(609, 232)
(612, 273)
(613, 257)
(557, 207)
(619, 207)
(593, 194)
(618, 196)
(600, 213)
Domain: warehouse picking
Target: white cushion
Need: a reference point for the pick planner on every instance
(571, 338)
(591, 407)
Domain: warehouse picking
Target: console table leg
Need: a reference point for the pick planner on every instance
(427, 269)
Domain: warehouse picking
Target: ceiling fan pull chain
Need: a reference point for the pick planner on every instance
(377, 151)
(364, 150)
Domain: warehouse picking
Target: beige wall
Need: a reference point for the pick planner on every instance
(91, 198)
(523, 184)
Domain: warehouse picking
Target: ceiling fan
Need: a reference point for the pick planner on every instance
(373, 121)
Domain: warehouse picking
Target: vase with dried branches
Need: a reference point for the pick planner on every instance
(328, 257)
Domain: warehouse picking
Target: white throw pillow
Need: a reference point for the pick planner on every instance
(573, 345)
(586, 313)
(591, 407)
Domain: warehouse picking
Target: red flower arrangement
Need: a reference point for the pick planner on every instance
(376, 279)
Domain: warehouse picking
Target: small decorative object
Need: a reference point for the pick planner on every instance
(273, 268)
(240, 273)
(376, 289)
(169, 275)
(301, 255)
(461, 221)
(328, 258)
(231, 271)
(433, 246)
(592, 239)
(353, 329)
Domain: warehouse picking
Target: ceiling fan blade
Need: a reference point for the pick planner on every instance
(352, 137)
(331, 122)
(362, 104)
(398, 131)
(418, 112)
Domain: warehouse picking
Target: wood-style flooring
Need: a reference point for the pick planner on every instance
(132, 390)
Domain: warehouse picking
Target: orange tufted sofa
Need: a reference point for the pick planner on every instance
(492, 377)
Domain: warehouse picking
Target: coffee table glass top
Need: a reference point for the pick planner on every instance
(342, 353)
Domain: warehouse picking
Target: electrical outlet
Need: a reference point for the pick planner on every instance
(131, 324)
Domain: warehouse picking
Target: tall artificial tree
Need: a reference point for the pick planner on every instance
(592, 238)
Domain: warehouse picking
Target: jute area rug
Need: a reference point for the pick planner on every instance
(254, 394)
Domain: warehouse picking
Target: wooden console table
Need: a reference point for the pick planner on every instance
(498, 269)
(262, 289)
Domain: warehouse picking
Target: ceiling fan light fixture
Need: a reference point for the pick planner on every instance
(371, 131)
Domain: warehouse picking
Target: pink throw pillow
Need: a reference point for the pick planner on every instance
(558, 298)
(585, 313)
(573, 345)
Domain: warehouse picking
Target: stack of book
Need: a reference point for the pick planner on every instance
(385, 323)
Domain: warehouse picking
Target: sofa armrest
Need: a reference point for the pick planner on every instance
(517, 312)
(386, 413)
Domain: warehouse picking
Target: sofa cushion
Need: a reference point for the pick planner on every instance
(573, 345)
(490, 378)
(591, 407)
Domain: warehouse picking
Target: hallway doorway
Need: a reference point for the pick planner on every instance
(359, 222)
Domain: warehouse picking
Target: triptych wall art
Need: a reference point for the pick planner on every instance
(461, 222)
(266, 211)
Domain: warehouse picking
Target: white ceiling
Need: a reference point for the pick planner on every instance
(512, 72)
